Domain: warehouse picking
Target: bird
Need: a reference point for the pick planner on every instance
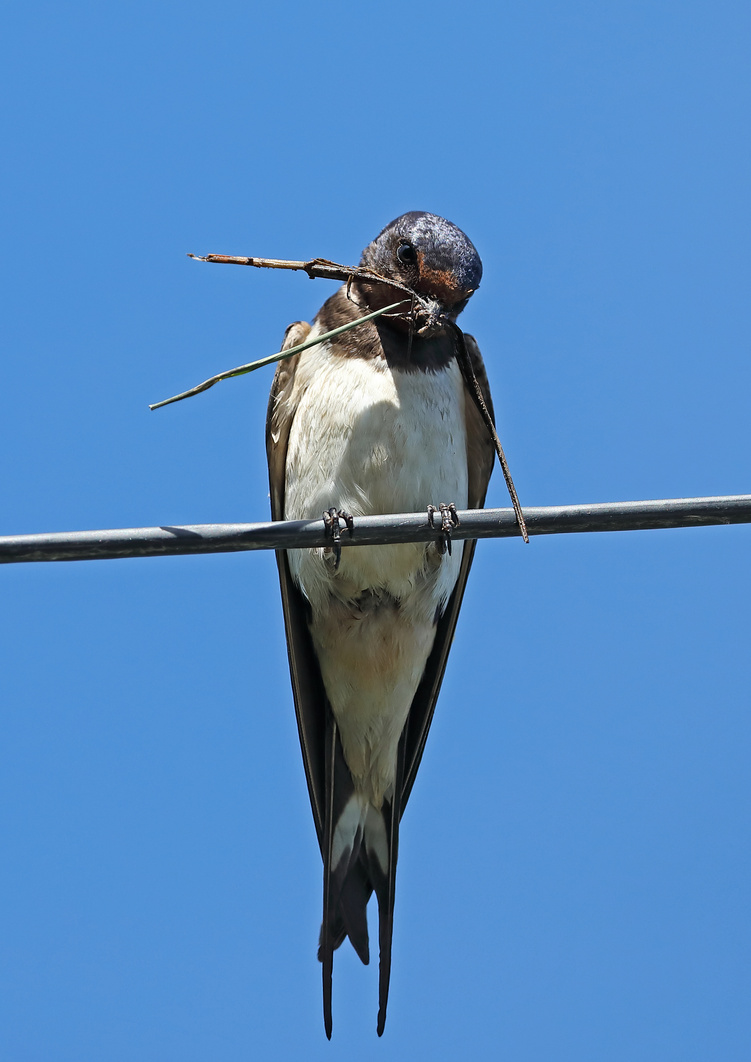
(374, 421)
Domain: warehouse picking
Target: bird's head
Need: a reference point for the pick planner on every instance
(431, 258)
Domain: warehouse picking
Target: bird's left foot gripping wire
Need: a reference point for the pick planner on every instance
(449, 520)
(332, 520)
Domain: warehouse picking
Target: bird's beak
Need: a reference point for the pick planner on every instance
(430, 316)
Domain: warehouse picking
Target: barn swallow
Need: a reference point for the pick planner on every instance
(375, 421)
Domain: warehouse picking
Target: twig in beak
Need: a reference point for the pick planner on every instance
(241, 370)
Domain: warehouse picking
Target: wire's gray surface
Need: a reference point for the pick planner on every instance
(373, 530)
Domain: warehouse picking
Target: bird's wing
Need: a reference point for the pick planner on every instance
(480, 459)
(307, 685)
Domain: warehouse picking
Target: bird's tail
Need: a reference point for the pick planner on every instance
(359, 858)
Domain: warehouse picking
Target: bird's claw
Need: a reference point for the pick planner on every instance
(449, 520)
(332, 523)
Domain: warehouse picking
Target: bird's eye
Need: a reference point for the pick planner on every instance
(406, 253)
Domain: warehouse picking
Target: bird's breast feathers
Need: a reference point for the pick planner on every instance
(372, 440)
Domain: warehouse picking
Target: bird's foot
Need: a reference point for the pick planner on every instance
(449, 520)
(332, 520)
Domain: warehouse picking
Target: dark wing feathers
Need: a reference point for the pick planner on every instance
(278, 419)
(307, 684)
(480, 450)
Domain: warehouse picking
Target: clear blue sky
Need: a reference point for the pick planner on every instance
(574, 873)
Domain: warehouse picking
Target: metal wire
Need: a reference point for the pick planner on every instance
(373, 530)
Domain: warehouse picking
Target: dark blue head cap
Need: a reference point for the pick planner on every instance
(430, 256)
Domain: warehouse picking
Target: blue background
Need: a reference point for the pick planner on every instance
(574, 873)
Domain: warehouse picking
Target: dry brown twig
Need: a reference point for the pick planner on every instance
(326, 270)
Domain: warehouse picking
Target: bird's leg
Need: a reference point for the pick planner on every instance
(332, 522)
(449, 520)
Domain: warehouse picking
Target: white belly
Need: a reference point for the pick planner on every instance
(371, 440)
